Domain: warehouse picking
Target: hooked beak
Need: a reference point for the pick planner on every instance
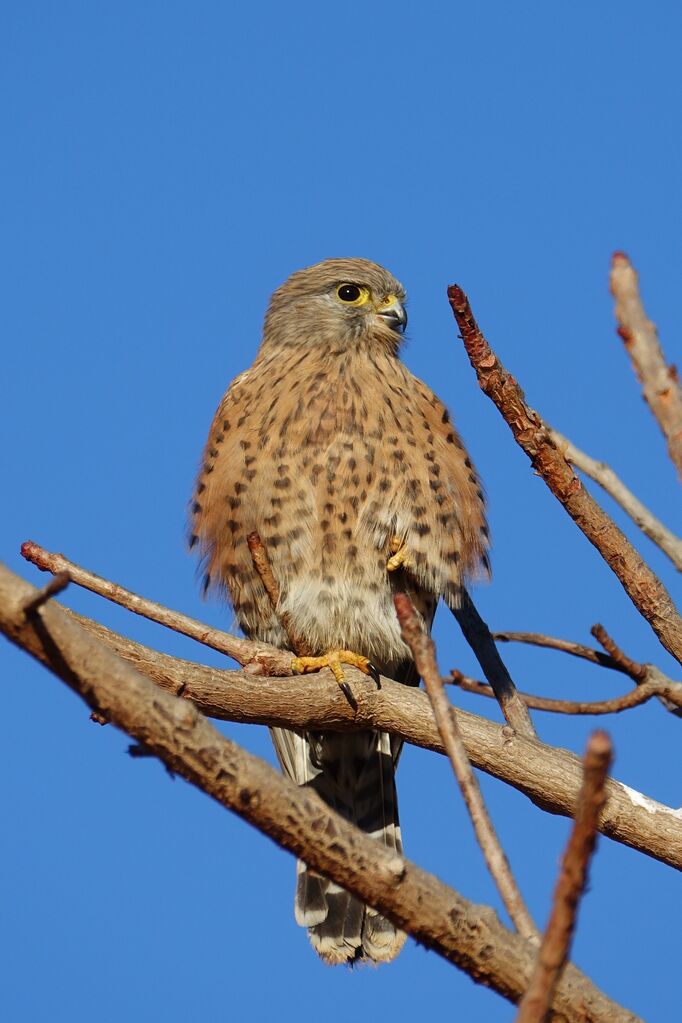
(394, 314)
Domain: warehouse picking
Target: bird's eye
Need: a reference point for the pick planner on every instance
(352, 294)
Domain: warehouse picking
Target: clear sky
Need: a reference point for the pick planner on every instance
(166, 165)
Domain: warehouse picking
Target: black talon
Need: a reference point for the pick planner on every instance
(374, 674)
(345, 689)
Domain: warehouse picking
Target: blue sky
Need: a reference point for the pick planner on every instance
(164, 167)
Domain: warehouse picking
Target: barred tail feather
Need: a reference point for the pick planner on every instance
(355, 775)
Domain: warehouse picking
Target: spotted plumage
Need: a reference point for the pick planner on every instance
(337, 455)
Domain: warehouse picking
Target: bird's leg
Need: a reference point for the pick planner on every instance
(334, 659)
(400, 554)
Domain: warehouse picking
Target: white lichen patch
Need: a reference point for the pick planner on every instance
(650, 805)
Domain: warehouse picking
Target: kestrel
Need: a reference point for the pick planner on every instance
(352, 473)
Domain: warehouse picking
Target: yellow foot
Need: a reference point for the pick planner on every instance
(400, 555)
(334, 659)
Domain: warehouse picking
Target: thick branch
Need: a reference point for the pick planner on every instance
(604, 475)
(296, 818)
(645, 590)
(549, 777)
(659, 381)
(556, 942)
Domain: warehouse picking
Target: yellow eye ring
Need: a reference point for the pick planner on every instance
(352, 294)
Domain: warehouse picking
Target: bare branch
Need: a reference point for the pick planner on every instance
(565, 645)
(424, 654)
(480, 640)
(549, 777)
(295, 817)
(602, 474)
(645, 590)
(645, 675)
(58, 583)
(258, 656)
(632, 668)
(659, 381)
(634, 698)
(650, 680)
(556, 943)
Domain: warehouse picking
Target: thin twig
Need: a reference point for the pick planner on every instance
(262, 657)
(645, 675)
(479, 638)
(660, 382)
(423, 651)
(261, 562)
(648, 677)
(645, 590)
(632, 668)
(634, 698)
(556, 943)
(58, 583)
(566, 646)
(604, 475)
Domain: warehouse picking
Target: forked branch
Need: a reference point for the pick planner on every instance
(646, 591)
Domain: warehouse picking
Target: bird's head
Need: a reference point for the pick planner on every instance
(338, 303)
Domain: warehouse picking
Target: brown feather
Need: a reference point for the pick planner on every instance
(332, 450)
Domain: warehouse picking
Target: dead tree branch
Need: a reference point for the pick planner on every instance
(424, 653)
(644, 675)
(556, 943)
(604, 475)
(258, 657)
(296, 818)
(58, 583)
(261, 562)
(566, 646)
(635, 698)
(549, 777)
(659, 381)
(643, 587)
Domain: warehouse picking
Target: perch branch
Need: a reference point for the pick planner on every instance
(659, 381)
(556, 942)
(645, 590)
(294, 817)
(602, 474)
(424, 654)
(549, 777)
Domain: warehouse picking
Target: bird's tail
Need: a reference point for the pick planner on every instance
(355, 774)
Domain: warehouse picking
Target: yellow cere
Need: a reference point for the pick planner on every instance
(388, 301)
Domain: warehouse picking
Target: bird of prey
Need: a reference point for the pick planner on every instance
(351, 471)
